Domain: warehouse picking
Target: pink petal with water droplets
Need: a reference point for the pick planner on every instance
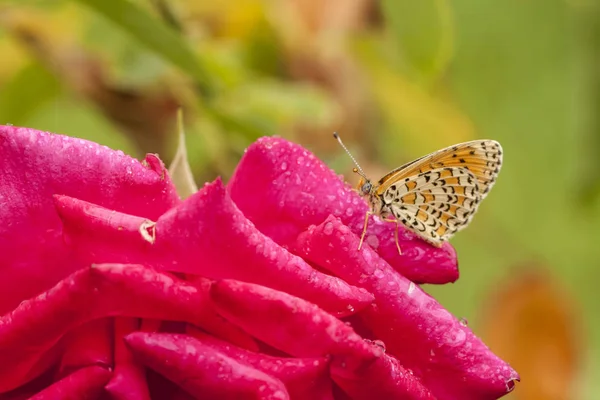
(208, 229)
(99, 235)
(201, 370)
(35, 165)
(289, 323)
(86, 383)
(384, 378)
(283, 188)
(305, 378)
(207, 235)
(33, 328)
(453, 363)
(218, 326)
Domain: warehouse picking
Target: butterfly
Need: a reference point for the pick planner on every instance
(436, 195)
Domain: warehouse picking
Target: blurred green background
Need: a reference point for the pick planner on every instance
(397, 79)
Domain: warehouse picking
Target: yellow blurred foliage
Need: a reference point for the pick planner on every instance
(420, 117)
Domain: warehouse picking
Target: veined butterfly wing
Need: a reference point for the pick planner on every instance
(436, 203)
(483, 158)
(435, 195)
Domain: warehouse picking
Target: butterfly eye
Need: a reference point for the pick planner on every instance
(366, 187)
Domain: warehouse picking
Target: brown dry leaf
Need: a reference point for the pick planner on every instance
(532, 322)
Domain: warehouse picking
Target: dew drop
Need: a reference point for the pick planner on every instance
(283, 166)
(328, 228)
(378, 273)
(379, 343)
(373, 241)
(411, 288)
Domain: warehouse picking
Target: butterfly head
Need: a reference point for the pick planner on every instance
(365, 186)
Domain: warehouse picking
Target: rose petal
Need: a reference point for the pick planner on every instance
(305, 378)
(358, 324)
(35, 165)
(288, 323)
(89, 230)
(201, 370)
(219, 326)
(28, 364)
(283, 188)
(36, 325)
(129, 377)
(231, 247)
(162, 388)
(150, 325)
(39, 383)
(87, 345)
(86, 383)
(426, 338)
(207, 235)
(384, 378)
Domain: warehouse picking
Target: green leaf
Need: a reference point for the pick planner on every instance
(424, 32)
(72, 117)
(270, 107)
(30, 89)
(413, 117)
(155, 35)
(180, 170)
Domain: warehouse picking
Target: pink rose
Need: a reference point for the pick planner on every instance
(115, 288)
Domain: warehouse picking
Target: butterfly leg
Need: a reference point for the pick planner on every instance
(362, 237)
(395, 221)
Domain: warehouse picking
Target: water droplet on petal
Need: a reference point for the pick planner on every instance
(411, 288)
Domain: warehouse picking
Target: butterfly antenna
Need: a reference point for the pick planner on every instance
(358, 169)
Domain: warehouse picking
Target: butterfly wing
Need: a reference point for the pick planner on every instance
(483, 158)
(435, 203)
